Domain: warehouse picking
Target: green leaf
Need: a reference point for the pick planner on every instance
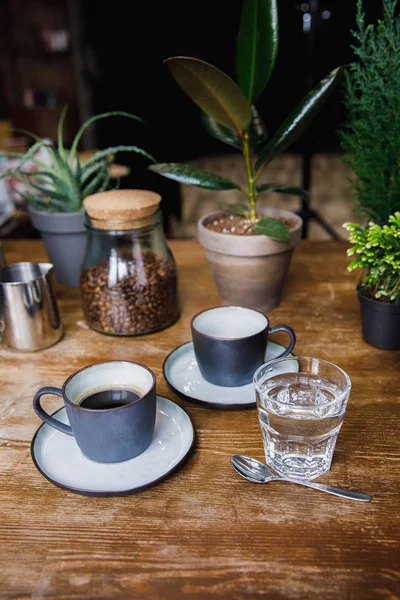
(272, 228)
(91, 170)
(47, 193)
(257, 46)
(25, 132)
(96, 183)
(29, 155)
(282, 189)
(114, 113)
(106, 182)
(236, 209)
(299, 119)
(61, 149)
(221, 133)
(22, 155)
(113, 150)
(48, 178)
(50, 203)
(64, 172)
(257, 131)
(78, 169)
(213, 91)
(192, 176)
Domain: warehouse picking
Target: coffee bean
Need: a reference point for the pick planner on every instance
(145, 300)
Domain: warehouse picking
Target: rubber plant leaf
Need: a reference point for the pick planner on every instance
(192, 176)
(257, 46)
(220, 132)
(300, 118)
(236, 209)
(282, 189)
(212, 90)
(257, 131)
(272, 228)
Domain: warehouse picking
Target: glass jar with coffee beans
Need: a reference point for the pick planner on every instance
(128, 277)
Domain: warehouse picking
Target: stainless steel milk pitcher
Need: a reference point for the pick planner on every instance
(29, 317)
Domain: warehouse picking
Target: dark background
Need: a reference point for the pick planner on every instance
(115, 62)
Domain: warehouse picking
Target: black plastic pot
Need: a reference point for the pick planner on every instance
(380, 323)
(64, 237)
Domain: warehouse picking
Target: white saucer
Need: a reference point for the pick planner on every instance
(59, 459)
(183, 376)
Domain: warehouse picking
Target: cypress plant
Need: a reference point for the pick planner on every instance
(371, 136)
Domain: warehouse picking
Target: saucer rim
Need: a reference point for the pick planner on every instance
(127, 492)
(205, 403)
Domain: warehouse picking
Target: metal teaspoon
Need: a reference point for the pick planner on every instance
(255, 471)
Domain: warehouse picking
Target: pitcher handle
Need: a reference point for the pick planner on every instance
(3, 262)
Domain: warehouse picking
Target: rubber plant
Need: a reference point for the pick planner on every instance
(64, 184)
(230, 115)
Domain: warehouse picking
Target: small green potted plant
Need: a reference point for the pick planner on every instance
(371, 140)
(378, 253)
(56, 190)
(249, 248)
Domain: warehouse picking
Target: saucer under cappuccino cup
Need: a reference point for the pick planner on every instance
(111, 408)
(230, 343)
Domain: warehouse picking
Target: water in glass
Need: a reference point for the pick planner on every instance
(300, 415)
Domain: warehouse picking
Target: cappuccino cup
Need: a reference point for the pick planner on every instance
(230, 343)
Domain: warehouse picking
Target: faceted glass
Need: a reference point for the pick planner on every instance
(301, 404)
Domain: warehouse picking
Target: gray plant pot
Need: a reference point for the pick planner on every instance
(250, 270)
(64, 237)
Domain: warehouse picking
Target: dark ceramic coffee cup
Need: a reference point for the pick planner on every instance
(230, 343)
(113, 434)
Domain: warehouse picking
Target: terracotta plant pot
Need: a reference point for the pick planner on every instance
(380, 322)
(64, 237)
(250, 270)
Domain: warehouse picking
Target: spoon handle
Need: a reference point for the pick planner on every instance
(329, 489)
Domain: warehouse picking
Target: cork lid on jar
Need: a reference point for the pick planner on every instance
(121, 206)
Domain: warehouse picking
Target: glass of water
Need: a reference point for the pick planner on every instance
(301, 403)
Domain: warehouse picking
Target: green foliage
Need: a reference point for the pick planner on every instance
(282, 189)
(378, 253)
(192, 176)
(231, 117)
(64, 184)
(212, 90)
(298, 120)
(371, 136)
(257, 46)
(236, 209)
(272, 228)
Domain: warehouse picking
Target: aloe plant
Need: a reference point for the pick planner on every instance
(63, 185)
(230, 116)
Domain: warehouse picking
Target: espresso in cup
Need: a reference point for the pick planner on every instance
(230, 343)
(111, 408)
(105, 399)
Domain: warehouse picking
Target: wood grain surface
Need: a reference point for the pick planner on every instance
(205, 533)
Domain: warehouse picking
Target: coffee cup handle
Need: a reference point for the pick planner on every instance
(291, 335)
(42, 414)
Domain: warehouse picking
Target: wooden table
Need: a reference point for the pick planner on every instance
(205, 532)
